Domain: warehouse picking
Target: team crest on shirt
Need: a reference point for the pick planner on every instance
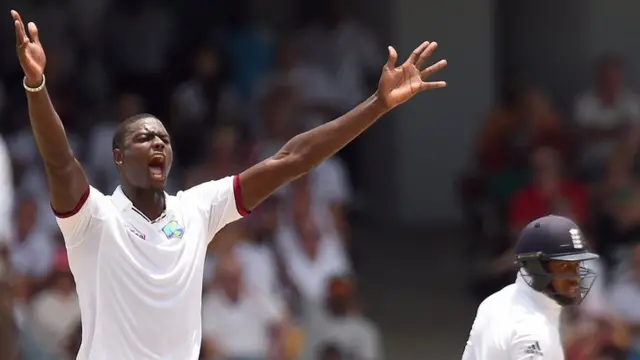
(173, 230)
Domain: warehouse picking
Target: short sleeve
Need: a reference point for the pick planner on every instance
(77, 225)
(217, 202)
(532, 343)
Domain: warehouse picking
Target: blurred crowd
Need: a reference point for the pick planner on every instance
(232, 86)
(532, 159)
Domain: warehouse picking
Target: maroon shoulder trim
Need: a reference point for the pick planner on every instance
(237, 195)
(76, 209)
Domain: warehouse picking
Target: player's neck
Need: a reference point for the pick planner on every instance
(150, 202)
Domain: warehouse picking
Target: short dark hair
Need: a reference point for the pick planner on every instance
(123, 129)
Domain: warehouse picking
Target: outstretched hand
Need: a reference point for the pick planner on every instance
(400, 83)
(30, 51)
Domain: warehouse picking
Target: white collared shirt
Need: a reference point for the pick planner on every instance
(241, 329)
(311, 275)
(139, 282)
(515, 323)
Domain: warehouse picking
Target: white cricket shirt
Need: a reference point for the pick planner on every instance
(139, 282)
(515, 323)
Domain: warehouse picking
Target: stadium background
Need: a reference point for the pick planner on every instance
(417, 212)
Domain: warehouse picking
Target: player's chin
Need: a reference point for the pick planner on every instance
(157, 183)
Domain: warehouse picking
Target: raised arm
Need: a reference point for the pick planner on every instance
(305, 151)
(67, 181)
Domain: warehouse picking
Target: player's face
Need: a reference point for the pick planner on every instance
(147, 156)
(568, 281)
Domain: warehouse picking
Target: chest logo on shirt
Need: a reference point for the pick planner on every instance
(173, 230)
(534, 350)
(136, 232)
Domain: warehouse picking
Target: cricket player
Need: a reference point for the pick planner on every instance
(138, 255)
(521, 321)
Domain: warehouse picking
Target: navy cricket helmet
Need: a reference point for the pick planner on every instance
(554, 238)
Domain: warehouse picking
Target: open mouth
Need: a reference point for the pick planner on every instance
(157, 167)
(574, 290)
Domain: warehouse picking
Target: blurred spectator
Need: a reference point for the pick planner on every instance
(341, 323)
(279, 109)
(310, 255)
(6, 193)
(524, 121)
(512, 131)
(254, 252)
(26, 160)
(223, 157)
(587, 340)
(257, 254)
(360, 57)
(328, 184)
(618, 210)
(56, 310)
(331, 196)
(265, 226)
(30, 347)
(331, 192)
(32, 251)
(202, 101)
(204, 96)
(239, 321)
(551, 192)
(312, 84)
(604, 114)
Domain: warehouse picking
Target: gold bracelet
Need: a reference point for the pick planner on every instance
(35, 89)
